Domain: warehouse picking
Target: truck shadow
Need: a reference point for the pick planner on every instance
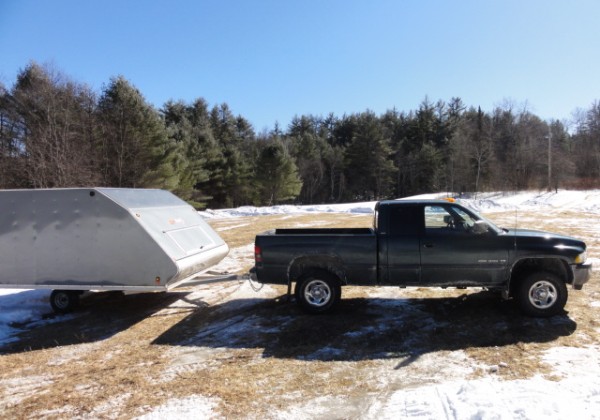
(100, 316)
(366, 328)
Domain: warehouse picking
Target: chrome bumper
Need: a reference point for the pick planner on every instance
(581, 275)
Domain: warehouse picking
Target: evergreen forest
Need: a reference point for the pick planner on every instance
(56, 132)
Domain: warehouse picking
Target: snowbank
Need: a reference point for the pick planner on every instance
(358, 208)
(583, 201)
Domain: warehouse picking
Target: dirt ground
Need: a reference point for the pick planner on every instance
(255, 355)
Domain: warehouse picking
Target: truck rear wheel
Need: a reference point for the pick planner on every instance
(318, 291)
(64, 301)
(542, 294)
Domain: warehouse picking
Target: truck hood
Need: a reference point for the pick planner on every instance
(548, 240)
(529, 233)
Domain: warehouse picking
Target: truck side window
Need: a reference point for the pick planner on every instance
(447, 220)
(439, 220)
(406, 220)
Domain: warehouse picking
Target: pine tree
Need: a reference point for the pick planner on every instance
(135, 148)
(231, 170)
(277, 175)
(188, 127)
(369, 164)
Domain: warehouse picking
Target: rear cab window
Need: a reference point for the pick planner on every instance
(406, 220)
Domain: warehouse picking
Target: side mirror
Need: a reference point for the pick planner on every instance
(480, 227)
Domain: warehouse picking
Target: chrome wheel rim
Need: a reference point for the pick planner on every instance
(542, 294)
(317, 293)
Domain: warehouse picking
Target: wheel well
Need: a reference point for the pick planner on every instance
(305, 265)
(527, 266)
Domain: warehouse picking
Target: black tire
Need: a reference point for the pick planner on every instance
(64, 301)
(542, 294)
(318, 291)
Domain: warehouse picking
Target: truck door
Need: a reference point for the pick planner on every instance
(402, 257)
(454, 252)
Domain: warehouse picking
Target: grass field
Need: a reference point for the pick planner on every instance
(248, 354)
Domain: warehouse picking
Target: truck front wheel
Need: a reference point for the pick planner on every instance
(542, 294)
(318, 291)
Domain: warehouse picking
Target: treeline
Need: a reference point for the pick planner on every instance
(55, 132)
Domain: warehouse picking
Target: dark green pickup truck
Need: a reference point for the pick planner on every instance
(424, 243)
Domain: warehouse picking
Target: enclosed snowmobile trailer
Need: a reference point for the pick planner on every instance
(81, 239)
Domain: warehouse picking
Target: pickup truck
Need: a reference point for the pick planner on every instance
(425, 243)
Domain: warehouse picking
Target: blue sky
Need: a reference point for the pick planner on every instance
(273, 59)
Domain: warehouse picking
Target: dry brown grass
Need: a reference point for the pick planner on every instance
(121, 356)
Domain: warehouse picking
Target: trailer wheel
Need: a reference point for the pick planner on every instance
(542, 294)
(318, 291)
(64, 301)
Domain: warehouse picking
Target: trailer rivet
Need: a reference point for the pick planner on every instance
(157, 280)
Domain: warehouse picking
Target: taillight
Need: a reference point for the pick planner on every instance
(257, 254)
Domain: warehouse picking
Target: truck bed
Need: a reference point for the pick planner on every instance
(324, 231)
(284, 250)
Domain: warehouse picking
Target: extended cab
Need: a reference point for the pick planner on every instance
(434, 243)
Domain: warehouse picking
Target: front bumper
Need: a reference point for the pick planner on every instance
(581, 275)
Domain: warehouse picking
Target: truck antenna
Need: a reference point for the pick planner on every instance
(516, 226)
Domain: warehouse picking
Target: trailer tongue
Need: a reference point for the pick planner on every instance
(81, 239)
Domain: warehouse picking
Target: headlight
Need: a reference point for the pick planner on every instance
(580, 259)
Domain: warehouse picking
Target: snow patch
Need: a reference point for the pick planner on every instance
(194, 407)
(19, 307)
(222, 229)
(490, 398)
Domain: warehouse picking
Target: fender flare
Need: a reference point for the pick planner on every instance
(300, 264)
(526, 265)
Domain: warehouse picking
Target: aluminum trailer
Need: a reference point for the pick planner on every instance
(81, 239)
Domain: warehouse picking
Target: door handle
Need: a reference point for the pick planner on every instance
(428, 245)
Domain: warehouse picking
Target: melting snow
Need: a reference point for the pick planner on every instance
(576, 395)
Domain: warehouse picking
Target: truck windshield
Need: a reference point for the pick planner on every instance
(478, 217)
